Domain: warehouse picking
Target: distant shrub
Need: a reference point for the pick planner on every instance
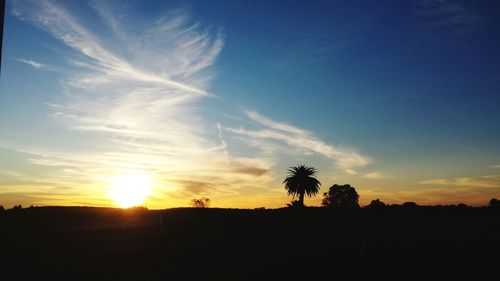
(17, 208)
(294, 204)
(409, 205)
(375, 204)
(203, 202)
(494, 203)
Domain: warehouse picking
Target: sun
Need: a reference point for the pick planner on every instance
(130, 190)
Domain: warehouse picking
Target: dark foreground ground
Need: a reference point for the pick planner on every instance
(219, 244)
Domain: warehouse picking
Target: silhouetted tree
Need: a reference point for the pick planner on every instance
(200, 203)
(341, 196)
(301, 180)
(409, 205)
(494, 203)
(375, 204)
(2, 209)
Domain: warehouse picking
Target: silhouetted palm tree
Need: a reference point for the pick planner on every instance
(301, 180)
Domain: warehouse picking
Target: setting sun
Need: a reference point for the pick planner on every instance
(130, 190)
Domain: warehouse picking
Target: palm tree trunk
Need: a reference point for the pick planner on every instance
(301, 198)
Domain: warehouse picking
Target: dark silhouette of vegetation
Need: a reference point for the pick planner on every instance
(409, 205)
(2, 209)
(301, 180)
(494, 203)
(341, 196)
(203, 202)
(375, 204)
(444, 241)
(17, 208)
(294, 204)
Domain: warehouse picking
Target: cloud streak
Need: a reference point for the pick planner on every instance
(450, 14)
(32, 63)
(64, 27)
(492, 181)
(304, 140)
(374, 175)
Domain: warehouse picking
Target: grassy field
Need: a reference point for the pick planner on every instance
(80, 243)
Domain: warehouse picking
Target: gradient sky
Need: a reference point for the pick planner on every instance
(218, 98)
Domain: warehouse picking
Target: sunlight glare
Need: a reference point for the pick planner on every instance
(130, 190)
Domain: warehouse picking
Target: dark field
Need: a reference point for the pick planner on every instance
(219, 244)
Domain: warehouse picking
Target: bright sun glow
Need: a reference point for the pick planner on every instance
(130, 190)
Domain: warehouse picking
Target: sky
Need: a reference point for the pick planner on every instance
(118, 103)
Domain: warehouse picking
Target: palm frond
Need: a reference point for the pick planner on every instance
(302, 179)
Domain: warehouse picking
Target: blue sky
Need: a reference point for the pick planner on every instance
(218, 98)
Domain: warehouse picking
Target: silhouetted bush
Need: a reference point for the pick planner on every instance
(17, 208)
(2, 209)
(295, 204)
(200, 202)
(409, 205)
(494, 203)
(374, 204)
(341, 196)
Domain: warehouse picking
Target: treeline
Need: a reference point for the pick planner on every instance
(346, 197)
(301, 181)
(376, 204)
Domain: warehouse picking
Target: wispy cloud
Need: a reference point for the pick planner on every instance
(450, 14)
(351, 172)
(496, 166)
(134, 92)
(482, 181)
(345, 159)
(223, 142)
(132, 101)
(374, 175)
(34, 64)
(194, 50)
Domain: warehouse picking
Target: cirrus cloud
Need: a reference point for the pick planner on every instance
(492, 181)
(32, 63)
(132, 99)
(345, 159)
